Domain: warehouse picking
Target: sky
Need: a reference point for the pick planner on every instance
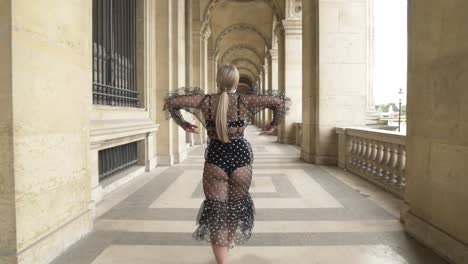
(390, 43)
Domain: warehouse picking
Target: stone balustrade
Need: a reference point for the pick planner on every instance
(376, 155)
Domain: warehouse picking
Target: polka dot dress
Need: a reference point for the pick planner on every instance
(226, 216)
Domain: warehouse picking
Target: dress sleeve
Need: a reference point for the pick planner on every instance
(189, 99)
(279, 104)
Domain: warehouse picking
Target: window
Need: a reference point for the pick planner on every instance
(114, 53)
(116, 159)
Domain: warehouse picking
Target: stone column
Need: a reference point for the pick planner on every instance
(188, 42)
(268, 112)
(335, 86)
(196, 70)
(164, 80)
(211, 72)
(205, 35)
(310, 78)
(215, 73)
(178, 73)
(435, 211)
(260, 88)
(45, 107)
(274, 73)
(291, 85)
(264, 90)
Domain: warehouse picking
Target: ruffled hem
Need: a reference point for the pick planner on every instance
(219, 221)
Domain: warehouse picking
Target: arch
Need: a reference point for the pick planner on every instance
(246, 79)
(211, 6)
(244, 88)
(247, 66)
(240, 27)
(248, 61)
(247, 70)
(239, 47)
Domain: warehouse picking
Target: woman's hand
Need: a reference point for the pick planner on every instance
(268, 129)
(191, 128)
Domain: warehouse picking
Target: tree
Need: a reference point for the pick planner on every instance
(393, 106)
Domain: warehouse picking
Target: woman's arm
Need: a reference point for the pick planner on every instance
(277, 103)
(175, 103)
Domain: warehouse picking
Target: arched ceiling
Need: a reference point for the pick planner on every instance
(238, 51)
(244, 61)
(241, 31)
(247, 72)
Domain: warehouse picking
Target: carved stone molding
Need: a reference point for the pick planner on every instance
(292, 27)
(294, 9)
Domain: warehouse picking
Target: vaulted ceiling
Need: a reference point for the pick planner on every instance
(241, 32)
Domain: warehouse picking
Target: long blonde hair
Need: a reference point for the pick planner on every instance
(226, 79)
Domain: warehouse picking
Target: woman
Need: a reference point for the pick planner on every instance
(226, 216)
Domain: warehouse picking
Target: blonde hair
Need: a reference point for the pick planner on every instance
(226, 79)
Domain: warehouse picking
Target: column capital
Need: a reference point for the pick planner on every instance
(274, 54)
(294, 9)
(292, 26)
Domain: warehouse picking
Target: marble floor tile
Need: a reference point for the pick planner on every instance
(305, 214)
(142, 254)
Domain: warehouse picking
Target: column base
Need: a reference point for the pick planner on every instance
(291, 141)
(319, 160)
(179, 158)
(151, 164)
(166, 160)
(442, 243)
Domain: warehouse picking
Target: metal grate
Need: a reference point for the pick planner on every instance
(115, 159)
(114, 53)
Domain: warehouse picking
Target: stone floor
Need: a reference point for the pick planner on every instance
(304, 214)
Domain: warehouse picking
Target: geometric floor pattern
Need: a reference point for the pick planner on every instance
(304, 214)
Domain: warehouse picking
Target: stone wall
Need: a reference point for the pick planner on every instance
(7, 193)
(50, 69)
(436, 210)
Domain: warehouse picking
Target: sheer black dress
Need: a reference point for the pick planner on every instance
(226, 216)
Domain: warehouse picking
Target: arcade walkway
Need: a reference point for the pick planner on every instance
(305, 214)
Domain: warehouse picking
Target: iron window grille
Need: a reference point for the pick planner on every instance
(114, 53)
(116, 159)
